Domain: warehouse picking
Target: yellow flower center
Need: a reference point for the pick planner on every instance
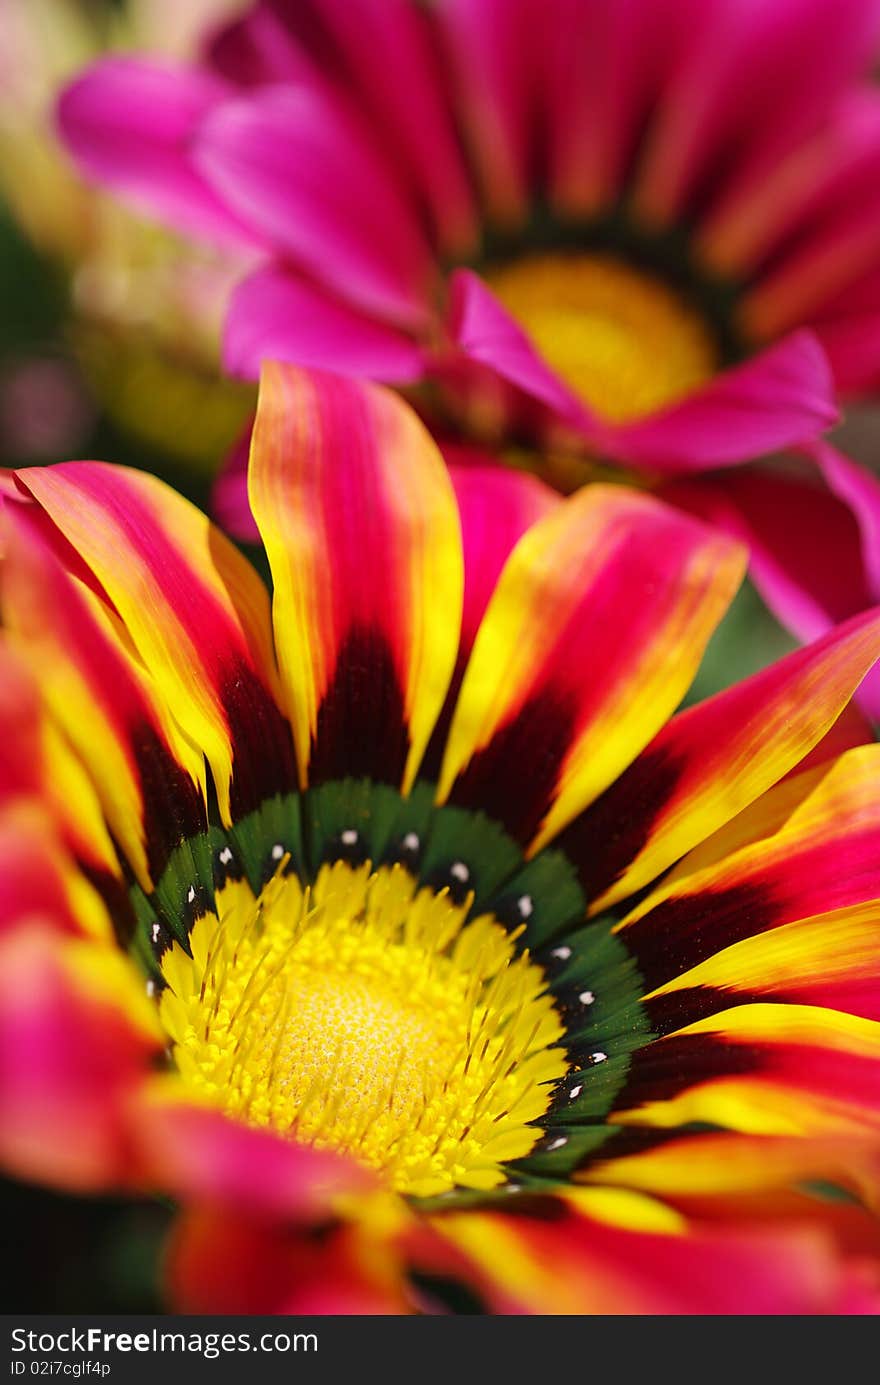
(368, 1017)
(624, 341)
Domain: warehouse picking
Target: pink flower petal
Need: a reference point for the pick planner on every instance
(604, 65)
(74, 1048)
(492, 49)
(860, 490)
(278, 314)
(751, 81)
(289, 160)
(199, 1153)
(229, 498)
(128, 124)
(485, 332)
(786, 520)
(781, 397)
(410, 113)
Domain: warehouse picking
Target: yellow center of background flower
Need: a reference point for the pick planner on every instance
(368, 1017)
(624, 341)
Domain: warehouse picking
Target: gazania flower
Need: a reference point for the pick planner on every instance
(412, 911)
(645, 232)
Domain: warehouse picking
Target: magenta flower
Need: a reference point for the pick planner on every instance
(646, 230)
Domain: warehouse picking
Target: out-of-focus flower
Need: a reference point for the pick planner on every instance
(642, 231)
(145, 306)
(430, 908)
(568, 198)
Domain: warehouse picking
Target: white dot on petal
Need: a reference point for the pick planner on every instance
(558, 1142)
(277, 851)
(576, 1091)
(598, 1057)
(459, 871)
(349, 837)
(562, 953)
(586, 997)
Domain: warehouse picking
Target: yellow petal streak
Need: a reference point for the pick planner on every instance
(369, 1018)
(625, 342)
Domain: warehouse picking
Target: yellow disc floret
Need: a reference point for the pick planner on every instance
(624, 341)
(368, 1016)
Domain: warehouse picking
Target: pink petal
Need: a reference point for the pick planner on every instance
(849, 330)
(603, 69)
(485, 332)
(290, 161)
(852, 345)
(72, 1054)
(752, 80)
(258, 47)
(277, 313)
(496, 507)
(387, 63)
(128, 124)
(860, 490)
(196, 1152)
(746, 226)
(835, 253)
(229, 498)
(786, 520)
(491, 47)
(781, 397)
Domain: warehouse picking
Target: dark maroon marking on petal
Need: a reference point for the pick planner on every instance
(678, 933)
(535, 1206)
(513, 779)
(263, 762)
(362, 731)
(666, 1067)
(116, 899)
(676, 1009)
(433, 758)
(172, 805)
(624, 1140)
(608, 835)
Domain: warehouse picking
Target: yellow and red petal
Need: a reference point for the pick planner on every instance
(713, 760)
(149, 777)
(197, 1153)
(77, 1039)
(36, 763)
(762, 1069)
(831, 960)
(222, 1262)
(496, 505)
(195, 611)
(360, 524)
(610, 1252)
(40, 881)
(590, 640)
(823, 859)
(20, 717)
(709, 1165)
